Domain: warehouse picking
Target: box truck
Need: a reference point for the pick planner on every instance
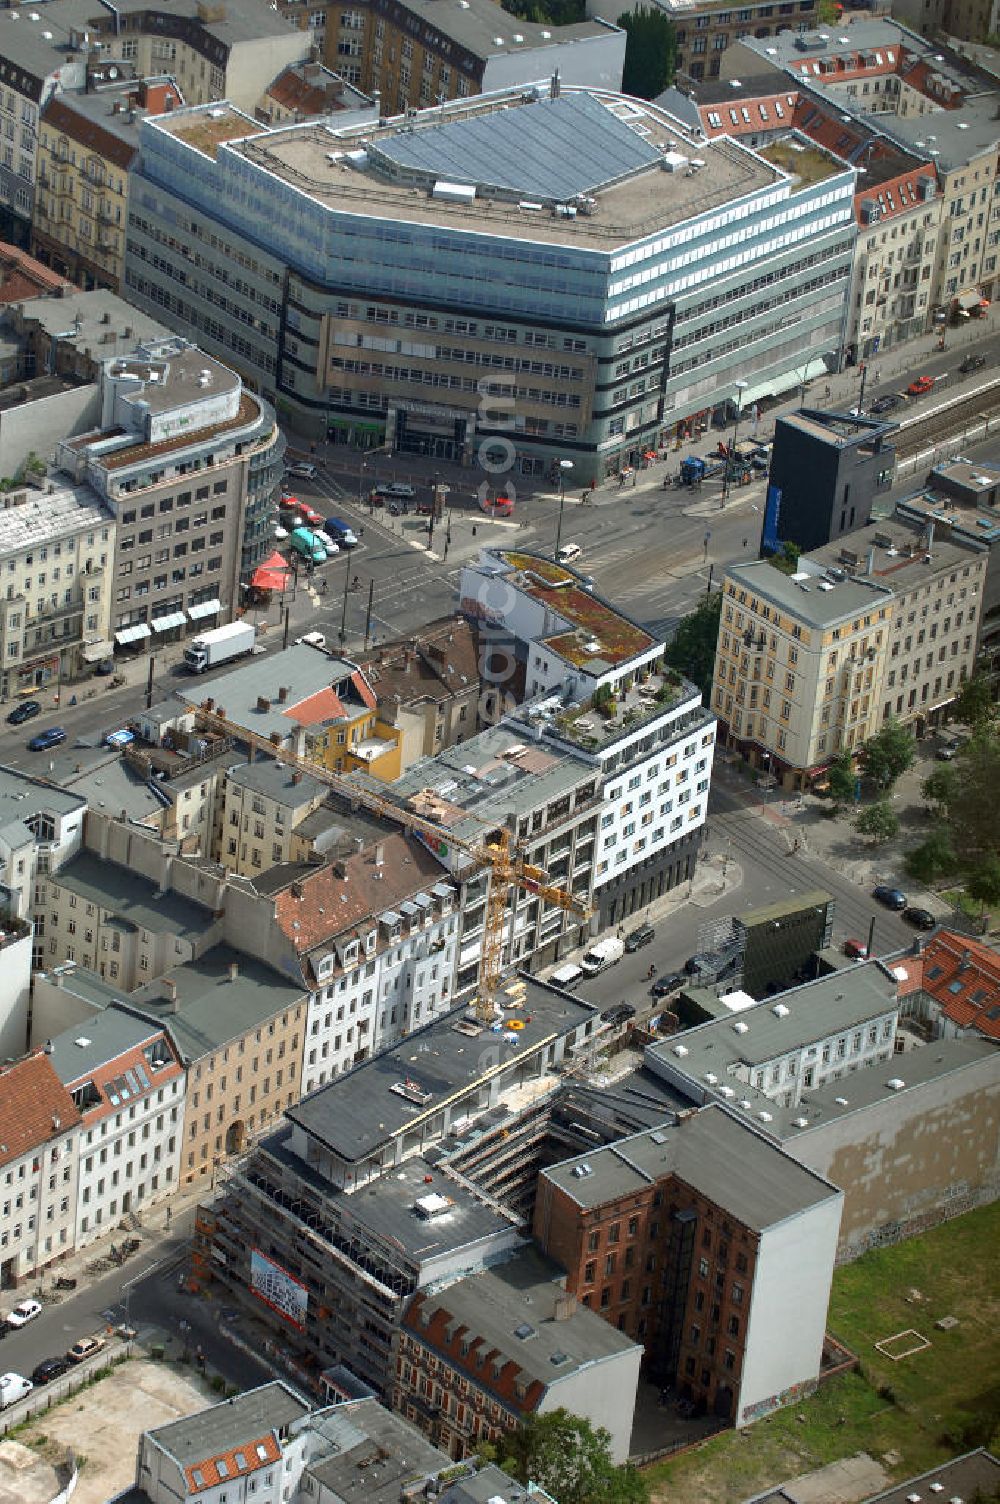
(602, 955)
(220, 645)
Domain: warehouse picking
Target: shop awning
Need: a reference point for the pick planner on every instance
(168, 623)
(96, 652)
(132, 634)
(783, 381)
(204, 608)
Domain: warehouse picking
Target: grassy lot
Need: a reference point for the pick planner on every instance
(922, 1409)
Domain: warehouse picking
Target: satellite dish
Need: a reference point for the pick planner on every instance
(112, 72)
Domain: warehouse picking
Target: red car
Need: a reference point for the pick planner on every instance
(856, 949)
(921, 385)
(308, 514)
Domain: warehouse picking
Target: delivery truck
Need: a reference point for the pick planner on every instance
(602, 955)
(220, 645)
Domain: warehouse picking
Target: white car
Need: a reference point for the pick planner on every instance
(280, 533)
(328, 543)
(24, 1312)
(13, 1388)
(302, 470)
(312, 639)
(568, 553)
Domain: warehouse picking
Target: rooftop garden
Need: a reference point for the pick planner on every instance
(610, 713)
(807, 163)
(597, 632)
(208, 130)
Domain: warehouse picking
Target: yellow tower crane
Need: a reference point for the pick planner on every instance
(508, 868)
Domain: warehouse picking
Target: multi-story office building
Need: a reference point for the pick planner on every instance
(39, 1125)
(815, 663)
(414, 54)
(599, 690)
(710, 1246)
(57, 553)
(935, 104)
(127, 1081)
(481, 1356)
(187, 462)
(897, 205)
(567, 306)
(88, 143)
(213, 52)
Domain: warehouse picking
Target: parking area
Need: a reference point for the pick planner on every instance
(103, 1422)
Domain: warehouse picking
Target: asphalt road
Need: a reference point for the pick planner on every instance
(146, 1289)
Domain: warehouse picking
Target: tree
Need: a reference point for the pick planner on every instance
(983, 884)
(841, 777)
(787, 559)
(650, 52)
(889, 753)
(692, 651)
(571, 1460)
(974, 705)
(973, 810)
(879, 821)
(939, 786)
(932, 859)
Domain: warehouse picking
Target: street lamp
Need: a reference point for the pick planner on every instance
(741, 387)
(564, 466)
(366, 456)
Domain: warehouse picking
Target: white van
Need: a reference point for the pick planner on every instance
(567, 553)
(602, 955)
(567, 976)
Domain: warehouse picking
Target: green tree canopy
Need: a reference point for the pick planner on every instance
(692, 651)
(939, 786)
(650, 52)
(889, 753)
(841, 777)
(879, 822)
(932, 859)
(571, 1460)
(974, 705)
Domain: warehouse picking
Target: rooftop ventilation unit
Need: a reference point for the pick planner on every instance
(680, 1050)
(741, 1027)
(895, 1084)
(800, 1122)
(779, 1010)
(580, 1172)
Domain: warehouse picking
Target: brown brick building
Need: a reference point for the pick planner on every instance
(683, 1238)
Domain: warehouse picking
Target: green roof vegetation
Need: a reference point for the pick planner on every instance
(809, 164)
(597, 631)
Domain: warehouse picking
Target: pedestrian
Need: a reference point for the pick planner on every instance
(745, 542)
(593, 484)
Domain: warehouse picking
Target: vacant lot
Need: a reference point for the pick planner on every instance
(103, 1423)
(908, 1414)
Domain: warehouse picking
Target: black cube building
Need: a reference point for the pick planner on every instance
(826, 470)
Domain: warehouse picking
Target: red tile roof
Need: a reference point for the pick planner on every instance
(22, 277)
(324, 705)
(963, 976)
(360, 684)
(34, 1107)
(330, 905)
(108, 1077)
(211, 1475)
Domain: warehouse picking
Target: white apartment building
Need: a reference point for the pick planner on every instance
(127, 1082)
(57, 550)
(39, 1128)
(617, 707)
(375, 935)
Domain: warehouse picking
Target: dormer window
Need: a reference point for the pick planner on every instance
(370, 942)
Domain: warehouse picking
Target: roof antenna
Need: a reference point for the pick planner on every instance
(554, 85)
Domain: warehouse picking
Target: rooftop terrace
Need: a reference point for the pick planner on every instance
(807, 163)
(205, 128)
(597, 637)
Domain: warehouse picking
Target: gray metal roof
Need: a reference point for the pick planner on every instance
(300, 670)
(901, 573)
(132, 898)
(360, 1110)
(95, 320)
(113, 785)
(44, 518)
(84, 1047)
(816, 607)
(714, 1153)
(82, 983)
(223, 1427)
(212, 1007)
(551, 149)
(489, 1486)
(512, 1307)
(371, 1452)
(485, 30)
(275, 781)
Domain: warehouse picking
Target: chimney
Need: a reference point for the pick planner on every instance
(871, 561)
(282, 694)
(565, 1306)
(297, 890)
(234, 971)
(930, 534)
(379, 853)
(263, 703)
(47, 1050)
(296, 776)
(170, 994)
(56, 1122)
(963, 965)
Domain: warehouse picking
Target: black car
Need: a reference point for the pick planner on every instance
(972, 363)
(922, 918)
(664, 986)
(26, 711)
(640, 937)
(893, 898)
(887, 403)
(619, 1014)
(49, 1369)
